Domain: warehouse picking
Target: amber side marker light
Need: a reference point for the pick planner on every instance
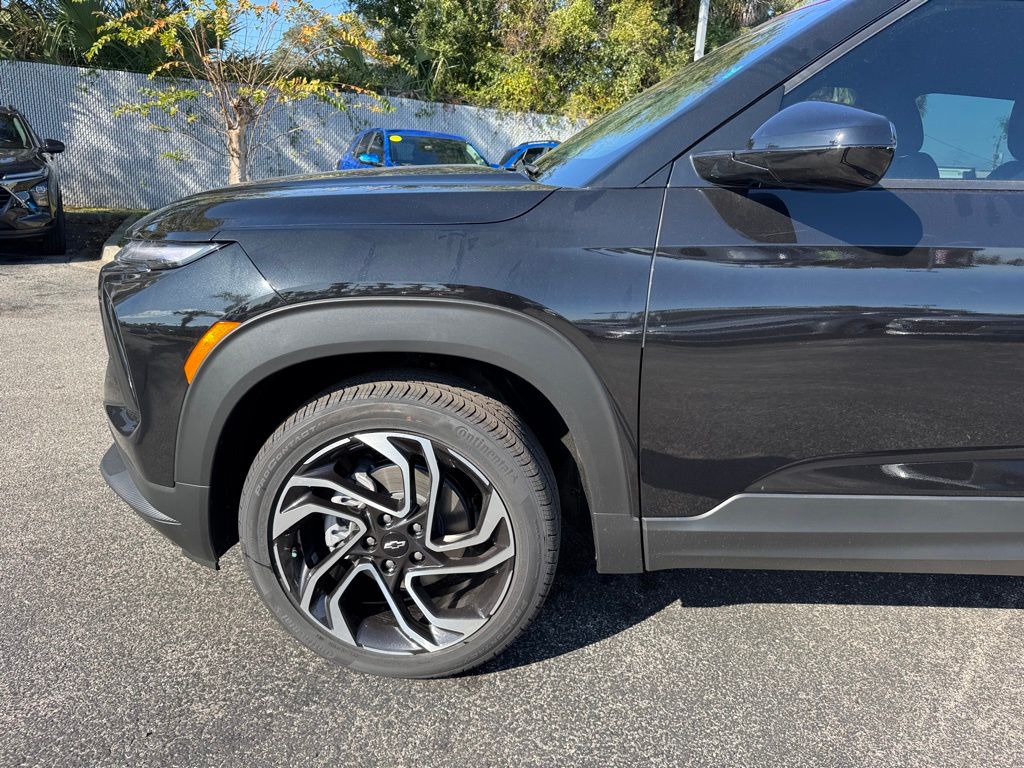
(205, 346)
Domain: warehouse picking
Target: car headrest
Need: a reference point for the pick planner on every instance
(1015, 130)
(909, 129)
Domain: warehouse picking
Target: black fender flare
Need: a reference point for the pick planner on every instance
(505, 338)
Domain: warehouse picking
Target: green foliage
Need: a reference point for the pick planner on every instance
(207, 83)
(575, 57)
(63, 31)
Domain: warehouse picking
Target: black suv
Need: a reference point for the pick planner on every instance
(770, 314)
(30, 200)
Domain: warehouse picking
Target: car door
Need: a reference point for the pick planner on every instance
(348, 160)
(832, 344)
(376, 147)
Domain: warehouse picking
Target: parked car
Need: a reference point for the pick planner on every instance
(30, 201)
(397, 390)
(527, 153)
(382, 147)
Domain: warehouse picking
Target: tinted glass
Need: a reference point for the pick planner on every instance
(12, 133)
(362, 144)
(584, 155)
(508, 156)
(376, 144)
(533, 154)
(429, 150)
(965, 135)
(948, 76)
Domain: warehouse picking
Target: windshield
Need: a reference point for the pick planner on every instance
(601, 142)
(508, 155)
(12, 133)
(430, 150)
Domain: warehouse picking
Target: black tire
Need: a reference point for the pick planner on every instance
(54, 242)
(482, 430)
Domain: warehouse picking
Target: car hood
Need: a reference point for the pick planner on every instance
(447, 195)
(20, 161)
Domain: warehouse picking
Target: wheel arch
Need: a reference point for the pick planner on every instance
(504, 339)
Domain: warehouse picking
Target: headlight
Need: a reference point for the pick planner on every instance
(160, 254)
(41, 194)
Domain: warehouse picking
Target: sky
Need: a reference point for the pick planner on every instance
(252, 31)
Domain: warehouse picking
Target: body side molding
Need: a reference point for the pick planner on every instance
(508, 339)
(907, 534)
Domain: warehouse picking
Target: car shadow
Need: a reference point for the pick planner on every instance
(26, 252)
(585, 607)
(86, 233)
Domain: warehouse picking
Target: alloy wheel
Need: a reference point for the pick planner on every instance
(392, 543)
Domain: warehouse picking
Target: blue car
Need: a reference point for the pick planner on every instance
(383, 147)
(527, 152)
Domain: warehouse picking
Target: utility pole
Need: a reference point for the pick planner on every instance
(702, 29)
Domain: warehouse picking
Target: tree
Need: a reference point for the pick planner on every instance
(63, 32)
(575, 57)
(216, 81)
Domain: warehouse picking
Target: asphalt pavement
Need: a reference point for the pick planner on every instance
(116, 650)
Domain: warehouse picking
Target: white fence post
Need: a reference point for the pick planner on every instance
(702, 29)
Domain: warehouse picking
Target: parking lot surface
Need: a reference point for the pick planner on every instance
(116, 650)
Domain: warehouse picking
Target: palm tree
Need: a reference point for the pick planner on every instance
(63, 31)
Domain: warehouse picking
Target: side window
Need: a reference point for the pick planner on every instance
(966, 135)
(950, 77)
(377, 145)
(360, 145)
(532, 154)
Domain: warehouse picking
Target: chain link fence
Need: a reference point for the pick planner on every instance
(123, 162)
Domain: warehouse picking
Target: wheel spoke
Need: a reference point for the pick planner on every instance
(312, 577)
(381, 443)
(288, 518)
(385, 534)
(494, 512)
(346, 492)
(340, 625)
(463, 622)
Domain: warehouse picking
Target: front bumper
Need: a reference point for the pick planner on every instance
(179, 512)
(20, 216)
(34, 229)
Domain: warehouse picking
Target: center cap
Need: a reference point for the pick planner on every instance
(394, 545)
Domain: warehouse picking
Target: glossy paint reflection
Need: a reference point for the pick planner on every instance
(579, 263)
(798, 327)
(154, 318)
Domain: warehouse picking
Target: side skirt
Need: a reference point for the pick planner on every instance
(906, 534)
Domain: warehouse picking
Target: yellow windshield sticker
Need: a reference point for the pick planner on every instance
(395, 137)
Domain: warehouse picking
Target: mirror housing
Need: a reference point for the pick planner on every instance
(52, 146)
(810, 145)
(368, 159)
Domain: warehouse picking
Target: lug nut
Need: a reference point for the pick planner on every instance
(386, 519)
(370, 542)
(389, 565)
(417, 556)
(417, 528)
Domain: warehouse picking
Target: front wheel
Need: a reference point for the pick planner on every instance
(402, 527)
(54, 242)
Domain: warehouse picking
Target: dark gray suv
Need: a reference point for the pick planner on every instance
(30, 199)
(769, 314)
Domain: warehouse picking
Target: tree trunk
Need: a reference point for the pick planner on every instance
(754, 12)
(238, 154)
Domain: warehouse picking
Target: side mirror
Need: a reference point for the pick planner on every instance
(52, 146)
(810, 145)
(367, 159)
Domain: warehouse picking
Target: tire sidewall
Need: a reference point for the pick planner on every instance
(522, 495)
